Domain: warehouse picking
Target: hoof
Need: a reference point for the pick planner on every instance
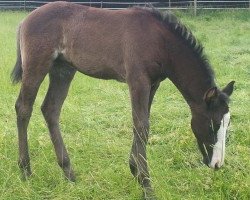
(70, 175)
(148, 194)
(25, 174)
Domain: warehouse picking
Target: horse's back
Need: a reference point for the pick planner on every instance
(97, 42)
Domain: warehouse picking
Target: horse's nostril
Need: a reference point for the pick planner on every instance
(216, 166)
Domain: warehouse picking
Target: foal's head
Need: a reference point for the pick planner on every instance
(210, 125)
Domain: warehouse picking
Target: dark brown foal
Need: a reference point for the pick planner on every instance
(141, 47)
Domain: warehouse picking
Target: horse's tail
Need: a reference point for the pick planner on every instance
(16, 74)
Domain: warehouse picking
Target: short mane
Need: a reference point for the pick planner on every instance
(184, 33)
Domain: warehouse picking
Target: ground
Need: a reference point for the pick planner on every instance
(96, 126)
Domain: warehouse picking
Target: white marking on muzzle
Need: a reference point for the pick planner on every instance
(219, 147)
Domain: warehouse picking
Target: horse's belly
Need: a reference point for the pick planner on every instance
(102, 73)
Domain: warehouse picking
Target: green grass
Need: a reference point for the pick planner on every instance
(96, 126)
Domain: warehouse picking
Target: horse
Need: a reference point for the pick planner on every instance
(138, 46)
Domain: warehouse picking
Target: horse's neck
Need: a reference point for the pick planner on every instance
(191, 79)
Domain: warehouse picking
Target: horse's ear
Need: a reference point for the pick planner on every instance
(229, 88)
(210, 95)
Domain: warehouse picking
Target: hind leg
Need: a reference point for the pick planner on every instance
(30, 84)
(61, 76)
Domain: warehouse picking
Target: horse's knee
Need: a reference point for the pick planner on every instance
(141, 131)
(142, 125)
(47, 113)
(23, 111)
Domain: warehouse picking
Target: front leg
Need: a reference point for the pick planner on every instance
(140, 95)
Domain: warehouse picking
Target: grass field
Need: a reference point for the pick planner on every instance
(96, 126)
